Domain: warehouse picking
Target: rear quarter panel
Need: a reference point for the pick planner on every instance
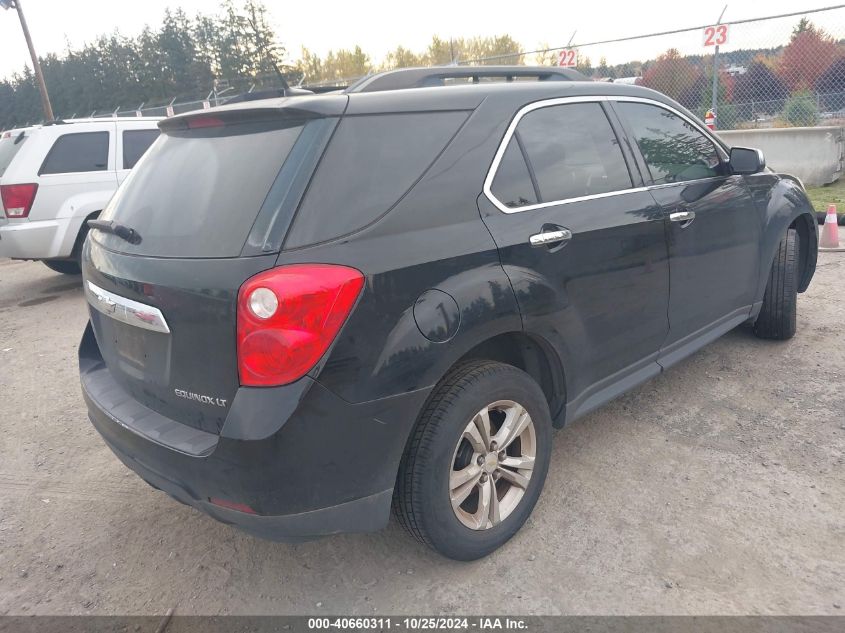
(433, 239)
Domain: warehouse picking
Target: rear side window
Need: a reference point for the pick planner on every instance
(370, 164)
(9, 147)
(84, 151)
(673, 149)
(513, 184)
(199, 191)
(135, 143)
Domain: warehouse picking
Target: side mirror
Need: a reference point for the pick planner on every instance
(745, 160)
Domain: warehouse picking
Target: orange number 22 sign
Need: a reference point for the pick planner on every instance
(567, 58)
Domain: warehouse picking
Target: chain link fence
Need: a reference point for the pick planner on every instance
(163, 110)
(779, 71)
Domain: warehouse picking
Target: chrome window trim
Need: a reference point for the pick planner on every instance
(126, 310)
(664, 185)
(545, 103)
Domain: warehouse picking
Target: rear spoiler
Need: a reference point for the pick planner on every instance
(300, 107)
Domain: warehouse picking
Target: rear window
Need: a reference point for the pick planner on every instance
(197, 193)
(84, 151)
(370, 164)
(9, 147)
(135, 143)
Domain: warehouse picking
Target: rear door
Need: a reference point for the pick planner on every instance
(712, 227)
(583, 244)
(211, 202)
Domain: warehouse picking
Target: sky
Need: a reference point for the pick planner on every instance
(381, 25)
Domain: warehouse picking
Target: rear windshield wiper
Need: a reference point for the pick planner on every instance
(115, 228)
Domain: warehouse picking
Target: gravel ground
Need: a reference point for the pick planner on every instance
(716, 488)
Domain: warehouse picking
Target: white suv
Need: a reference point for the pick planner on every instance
(54, 177)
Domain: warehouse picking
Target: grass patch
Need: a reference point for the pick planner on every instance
(834, 193)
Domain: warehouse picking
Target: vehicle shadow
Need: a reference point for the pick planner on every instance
(19, 287)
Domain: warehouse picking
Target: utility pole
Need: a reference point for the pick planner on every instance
(714, 100)
(36, 67)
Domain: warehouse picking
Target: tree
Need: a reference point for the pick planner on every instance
(546, 57)
(176, 54)
(760, 86)
(803, 26)
(346, 65)
(401, 57)
(7, 101)
(584, 65)
(671, 74)
(311, 67)
(629, 69)
(801, 110)
(181, 57)
(503, 48)
(265, 52)
(810, 52)
(340, 66)
(604, 70)
(206, 35)
(441, 52)
(830, 87)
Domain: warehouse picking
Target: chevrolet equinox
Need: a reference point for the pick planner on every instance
(307, 310)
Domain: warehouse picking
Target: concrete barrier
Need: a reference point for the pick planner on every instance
(815, 154)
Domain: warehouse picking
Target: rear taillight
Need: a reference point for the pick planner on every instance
(17, 199)
(288, 317)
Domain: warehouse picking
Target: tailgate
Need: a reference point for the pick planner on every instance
(166, 329)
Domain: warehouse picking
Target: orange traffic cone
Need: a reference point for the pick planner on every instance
(830, 230)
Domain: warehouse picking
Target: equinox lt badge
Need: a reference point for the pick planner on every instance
(190, 395)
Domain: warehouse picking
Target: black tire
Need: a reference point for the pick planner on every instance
(421, 499)
(777, 318)
(64, 266)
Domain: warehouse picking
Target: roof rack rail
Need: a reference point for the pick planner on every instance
(438, 76)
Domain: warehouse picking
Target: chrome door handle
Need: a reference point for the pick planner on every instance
(682, 216)
(550, 237)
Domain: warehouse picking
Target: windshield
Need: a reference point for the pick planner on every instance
(197, 192)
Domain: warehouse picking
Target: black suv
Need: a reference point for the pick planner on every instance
(305, 310)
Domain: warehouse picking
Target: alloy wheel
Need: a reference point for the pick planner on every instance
(492, 464)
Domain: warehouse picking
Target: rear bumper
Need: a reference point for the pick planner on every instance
(34, 240)
(328, 466)
(367, 514)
